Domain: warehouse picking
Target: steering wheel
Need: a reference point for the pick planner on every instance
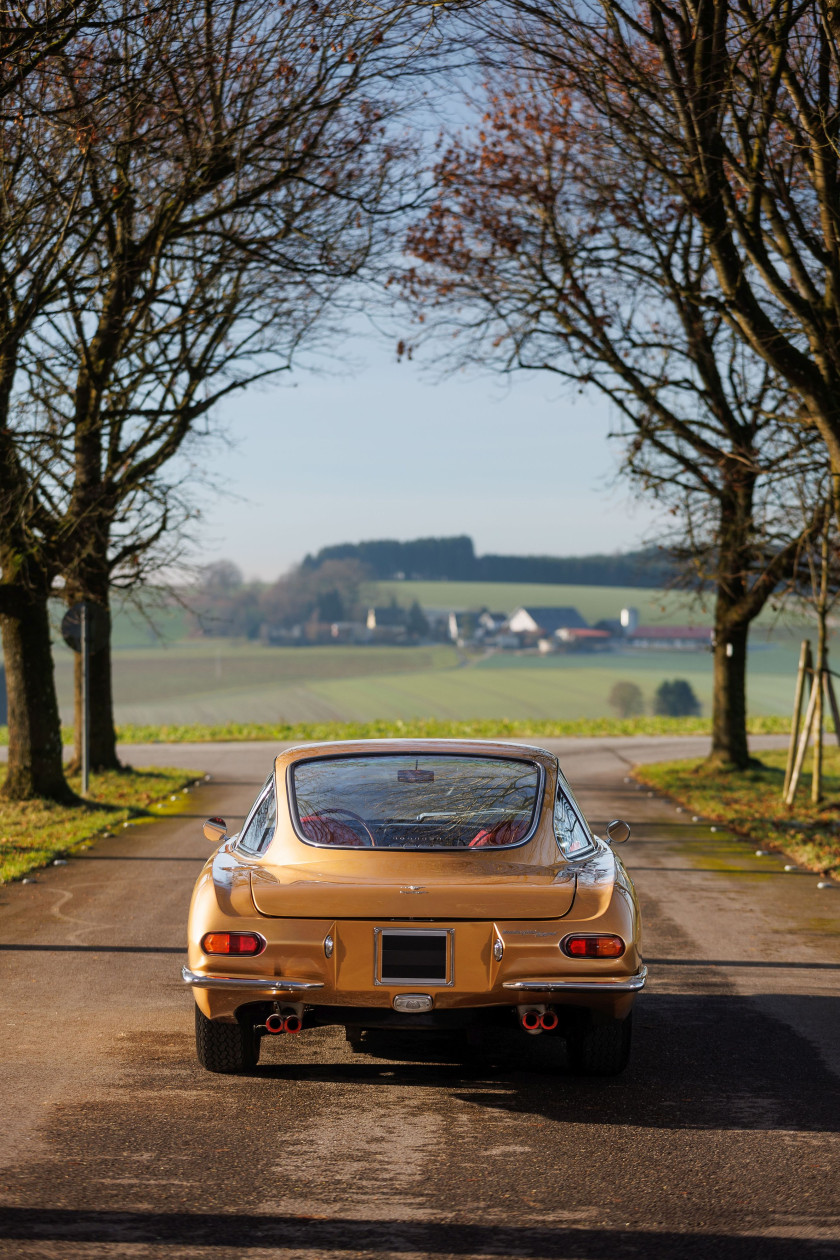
(337, 809)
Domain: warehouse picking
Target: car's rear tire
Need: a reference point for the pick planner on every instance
(226, 1048)
(600, 1049)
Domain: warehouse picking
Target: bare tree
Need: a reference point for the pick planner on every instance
(305, 594)
(545, 253)
(32, 32)
(734, 107)
(44, 234)
(217, 324)
(232, 175)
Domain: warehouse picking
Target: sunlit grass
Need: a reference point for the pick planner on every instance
(435, 728)
(34, 833)
(750, 803)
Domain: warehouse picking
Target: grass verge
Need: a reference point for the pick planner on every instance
(34, 833)
(430, 728)
(749, 802)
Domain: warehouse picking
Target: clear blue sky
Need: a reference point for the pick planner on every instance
(385, 453)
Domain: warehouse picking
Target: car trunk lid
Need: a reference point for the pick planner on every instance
(495, 891)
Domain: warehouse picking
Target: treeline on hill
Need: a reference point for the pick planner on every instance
(334, 585)
(223, 603)
(454, 560)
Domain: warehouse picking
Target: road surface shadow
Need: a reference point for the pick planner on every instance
(719, 1133)
(699, 1062)
(240, 1232)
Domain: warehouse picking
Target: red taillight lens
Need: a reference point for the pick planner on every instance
(593, 946)
(232, 943)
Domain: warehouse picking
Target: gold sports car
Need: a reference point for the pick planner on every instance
(415, 884)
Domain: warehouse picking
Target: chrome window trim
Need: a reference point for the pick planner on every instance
(379, 932)
(578, 813)
(539, 801)
(263, 793)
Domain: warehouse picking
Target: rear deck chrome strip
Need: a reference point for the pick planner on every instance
(275, 985)
(591, 984)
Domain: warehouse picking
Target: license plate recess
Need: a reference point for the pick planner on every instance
(408, 956)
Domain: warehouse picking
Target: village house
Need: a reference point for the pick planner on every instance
(544, 623)
(672, 638)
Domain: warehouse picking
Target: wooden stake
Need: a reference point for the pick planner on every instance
(803, 745)
(816, 772)
(822, 605)
(832, 700)
(805, 669)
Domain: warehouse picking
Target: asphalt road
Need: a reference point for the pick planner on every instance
(720, 1142)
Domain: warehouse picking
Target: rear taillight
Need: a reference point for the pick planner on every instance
(232, 943)
(592, 946)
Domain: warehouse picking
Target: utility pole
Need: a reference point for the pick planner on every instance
(85, 645)
(85, 630)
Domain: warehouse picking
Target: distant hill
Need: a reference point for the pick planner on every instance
(454, 560)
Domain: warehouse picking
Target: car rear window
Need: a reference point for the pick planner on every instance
(397, 801)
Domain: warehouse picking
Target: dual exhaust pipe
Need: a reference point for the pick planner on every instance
(536, 1020)
(283, 1023)
(532, 1019)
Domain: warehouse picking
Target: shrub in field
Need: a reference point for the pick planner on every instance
(626, 699)
(417, 625)
(676, 699)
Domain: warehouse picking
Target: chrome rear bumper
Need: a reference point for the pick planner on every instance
(277, 985)
(267, 986)
(590, 984)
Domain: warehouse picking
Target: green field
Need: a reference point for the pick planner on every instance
(592, 602)
(160, 622)
(160, 677)
(216, 681)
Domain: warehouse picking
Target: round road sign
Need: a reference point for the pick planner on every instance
(97, 626)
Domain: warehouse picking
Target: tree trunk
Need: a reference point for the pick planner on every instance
(93, 586)
(103, 737)
(729, 705)
(34, 767)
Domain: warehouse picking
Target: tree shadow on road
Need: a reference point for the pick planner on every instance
(234, 1233)
(715, 1142)
(699, 1062)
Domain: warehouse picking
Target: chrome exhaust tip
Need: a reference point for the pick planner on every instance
(531, 1021)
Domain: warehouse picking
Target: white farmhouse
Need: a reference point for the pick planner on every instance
(545, 622)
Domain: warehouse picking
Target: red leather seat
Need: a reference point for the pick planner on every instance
(329, 831)
(503, 833)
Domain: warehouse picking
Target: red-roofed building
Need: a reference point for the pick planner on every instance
(680, 638)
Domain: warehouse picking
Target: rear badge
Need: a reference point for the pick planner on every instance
(413, 1003)
(413, 888)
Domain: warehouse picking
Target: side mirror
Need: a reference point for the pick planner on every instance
(618, 831)
(215, 830)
